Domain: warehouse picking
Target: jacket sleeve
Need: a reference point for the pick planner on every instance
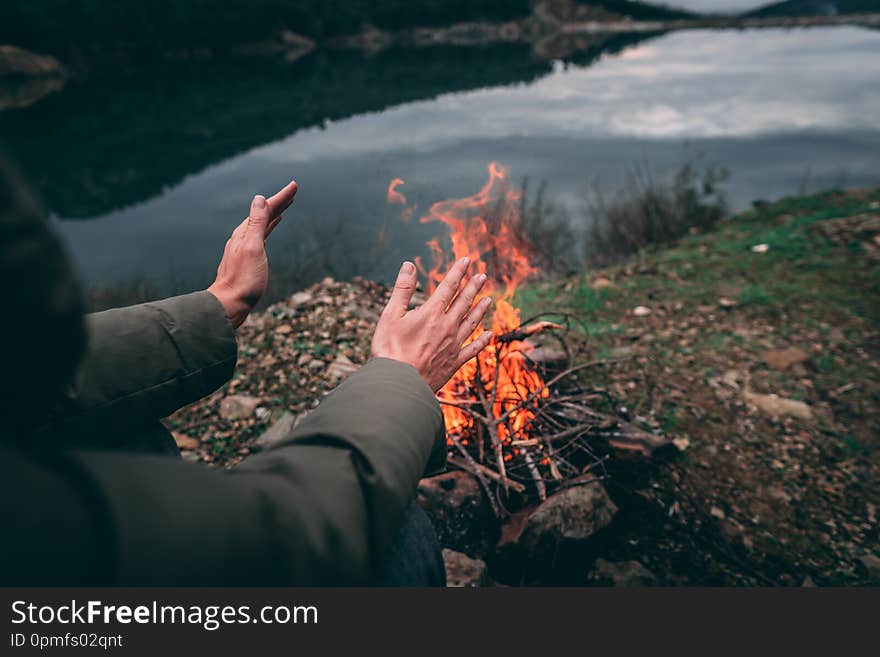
(144, 362)
(320, 508)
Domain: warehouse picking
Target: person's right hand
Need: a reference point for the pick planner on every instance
(430, 337)
(243, 274)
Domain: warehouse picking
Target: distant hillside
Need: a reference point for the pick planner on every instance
(83, 27)
(817, 8)
(599, 10)
(641, 11)
(53, 25)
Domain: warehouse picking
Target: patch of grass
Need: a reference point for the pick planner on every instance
(756, 295)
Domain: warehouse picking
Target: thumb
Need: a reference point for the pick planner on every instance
(258, 218)
(404, 288)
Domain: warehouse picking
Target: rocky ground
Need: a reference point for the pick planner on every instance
(754, 347)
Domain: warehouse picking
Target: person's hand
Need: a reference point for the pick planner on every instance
(430, 337)
(243, 274)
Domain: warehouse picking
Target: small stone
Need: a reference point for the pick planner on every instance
(299, 298)
(681, 443)
(462, 571)
(303, 360)
(871, 563)
(623, 574)
(726, 302)
(262, 413)
(641, 311)
(782, 359)
(235, 407)
(547, 355)
(341, 367)
(602, 283)
(777, 406)
(760, 248)
(184, 441)
(279, 430)
(718, 513)
(316, 364)
(283, 329)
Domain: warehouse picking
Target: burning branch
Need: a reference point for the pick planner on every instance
(521, 424)
(524, 332)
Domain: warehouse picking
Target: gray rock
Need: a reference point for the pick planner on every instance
(622, 573)
(299, 298)
(279, 430)
(462, 571)
(573, 514)
(341, 367)
(235, 407)
(871, 564)
(189, 455)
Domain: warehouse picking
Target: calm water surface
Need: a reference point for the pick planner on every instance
(145, 180)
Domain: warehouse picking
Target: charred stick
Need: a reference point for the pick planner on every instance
(490, 473)
(571, 370)
(474, 469)
(492, 425)
(536, 476)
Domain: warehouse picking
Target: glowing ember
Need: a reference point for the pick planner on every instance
(486, 228)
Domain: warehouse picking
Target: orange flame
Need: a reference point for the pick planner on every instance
(486, 227)
(393, 195)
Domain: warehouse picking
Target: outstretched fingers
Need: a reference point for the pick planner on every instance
(474, 347)
(272, 224)
(450, 285)
(404, 288)
(472, 320)
(465, 298)
(258, 219)
(279, 202)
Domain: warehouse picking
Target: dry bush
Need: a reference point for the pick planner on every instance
(647, 211)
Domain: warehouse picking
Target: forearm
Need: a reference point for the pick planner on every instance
(321, 508)
(144, 362)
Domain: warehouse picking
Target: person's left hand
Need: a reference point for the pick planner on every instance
(243, 274)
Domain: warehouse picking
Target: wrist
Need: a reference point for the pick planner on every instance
(236, 310)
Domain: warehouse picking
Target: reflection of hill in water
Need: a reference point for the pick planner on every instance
(107, 142)
(816, 8)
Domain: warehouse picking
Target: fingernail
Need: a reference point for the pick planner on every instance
(487, 301)
(481, 279)
(259, 201)
(486, 335)
(408, 267)
(465, 260)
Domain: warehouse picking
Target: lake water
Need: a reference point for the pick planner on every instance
(145, 174)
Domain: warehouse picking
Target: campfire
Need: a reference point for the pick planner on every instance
(518, 417)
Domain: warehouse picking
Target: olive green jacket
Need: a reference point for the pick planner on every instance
(321, 507)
